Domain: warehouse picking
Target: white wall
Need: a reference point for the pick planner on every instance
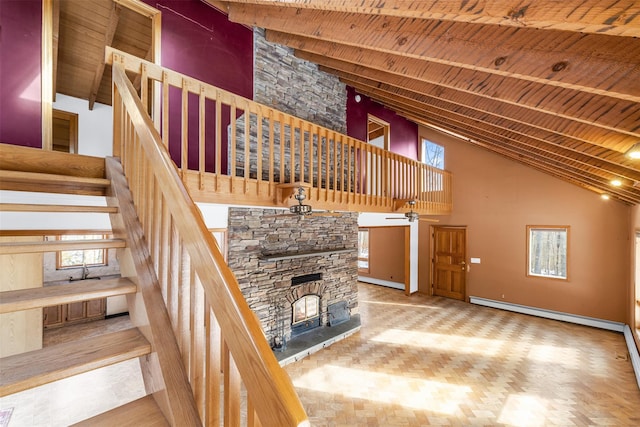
(95, 128)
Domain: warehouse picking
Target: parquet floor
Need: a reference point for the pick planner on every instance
(421, 361)
(417, 361)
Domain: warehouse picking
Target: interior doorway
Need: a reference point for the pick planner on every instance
(449, 262)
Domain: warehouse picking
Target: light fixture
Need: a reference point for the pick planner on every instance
(616, 182)
(634, 151)
(604, 196)
(358, 98)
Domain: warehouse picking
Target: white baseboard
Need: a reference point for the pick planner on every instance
(550, 314)
(387, 283)
(633, 352)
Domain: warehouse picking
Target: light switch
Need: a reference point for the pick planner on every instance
(475, 260)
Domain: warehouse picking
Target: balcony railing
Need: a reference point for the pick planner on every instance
(230, 149)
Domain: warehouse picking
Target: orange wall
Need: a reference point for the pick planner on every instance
(496, 198)
(386, 254)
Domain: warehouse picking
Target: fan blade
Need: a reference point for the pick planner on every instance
(428, 220)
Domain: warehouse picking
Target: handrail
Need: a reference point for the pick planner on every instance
(242, 151)
(215, 329)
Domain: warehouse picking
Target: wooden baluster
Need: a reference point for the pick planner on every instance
(218, 140)
(302, 152)
(198, 345)
(213, 361)
(271, 150)
(282, 152)
(292, 152)
(202, 138)
(247, 146)
(165, 249)
(231, 390)
(165, 109)
(184, 129)
(233, 157)
(259, 148)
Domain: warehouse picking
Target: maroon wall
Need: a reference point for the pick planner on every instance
(20, 86)
(199, 41)
(403, 138)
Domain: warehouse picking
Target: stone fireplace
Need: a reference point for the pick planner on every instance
(292, 270)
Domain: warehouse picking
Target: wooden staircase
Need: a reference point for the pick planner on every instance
(31, 369)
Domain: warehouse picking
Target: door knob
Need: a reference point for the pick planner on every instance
(463, 264)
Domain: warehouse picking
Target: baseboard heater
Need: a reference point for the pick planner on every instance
(571, 318)
(550, 314)
(633, 352)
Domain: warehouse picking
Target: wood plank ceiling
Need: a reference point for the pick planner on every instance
(552, 84)
(82, 29)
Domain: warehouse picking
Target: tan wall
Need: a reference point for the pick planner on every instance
(497, 198)
(386, 254)
(634, 276)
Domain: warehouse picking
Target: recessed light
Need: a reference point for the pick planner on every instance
(616, 182)
(634, 151)
(604, 196)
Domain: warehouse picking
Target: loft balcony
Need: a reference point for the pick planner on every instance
(229, 149)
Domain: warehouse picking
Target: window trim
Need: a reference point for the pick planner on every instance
(360, 269)
(105, 252)
(565, 228)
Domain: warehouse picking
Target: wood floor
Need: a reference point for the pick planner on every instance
(419, 361)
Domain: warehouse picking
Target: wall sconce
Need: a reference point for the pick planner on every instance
(634, 151)
(358, 98)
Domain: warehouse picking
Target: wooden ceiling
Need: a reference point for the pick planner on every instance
(552, 84)
(82, 29)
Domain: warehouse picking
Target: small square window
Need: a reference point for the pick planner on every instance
(79, 258)
(432, 154)
(548, 251)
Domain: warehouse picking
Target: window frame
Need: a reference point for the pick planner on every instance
(368, 268)
(532, 228)
(423, 142)
(105, 252)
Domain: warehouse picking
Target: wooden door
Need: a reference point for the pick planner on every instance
(449, 265)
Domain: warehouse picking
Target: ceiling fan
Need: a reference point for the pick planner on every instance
(301, 210)
(413, 216)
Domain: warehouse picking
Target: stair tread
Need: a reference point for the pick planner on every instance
(34, 368)
(81, 290)
(59, 245)
(34, 181)
(34, 207)
(142, 412)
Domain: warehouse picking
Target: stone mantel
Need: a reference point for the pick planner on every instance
(306, 254)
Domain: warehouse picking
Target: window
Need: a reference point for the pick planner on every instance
(79, 258)
(432, 154)
(363, 250)
(548, 251)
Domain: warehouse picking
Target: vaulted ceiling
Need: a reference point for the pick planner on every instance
(552, 84)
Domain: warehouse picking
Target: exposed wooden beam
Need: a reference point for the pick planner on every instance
(591, 63)
(611, 113)
(110, 32)
(545, 148)
(559, 167)
(620, 18)
(605, 136)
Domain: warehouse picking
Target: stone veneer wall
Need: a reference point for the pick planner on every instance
(296, 86)
(266, 284)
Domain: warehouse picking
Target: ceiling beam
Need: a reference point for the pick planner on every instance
(608, 112)
(595, 64)
(610, 170)
(620, 18)
(110, 32)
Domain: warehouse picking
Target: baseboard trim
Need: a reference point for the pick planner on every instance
(633, 352)
(550, 314)
(381, 282)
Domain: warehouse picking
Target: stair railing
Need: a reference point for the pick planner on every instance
(242, 151)
(219, 337)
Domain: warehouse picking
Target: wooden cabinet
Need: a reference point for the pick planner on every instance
(77, 312)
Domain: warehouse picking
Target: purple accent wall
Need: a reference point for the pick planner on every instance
(201, 42)
(403, 139)
(20, 86)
